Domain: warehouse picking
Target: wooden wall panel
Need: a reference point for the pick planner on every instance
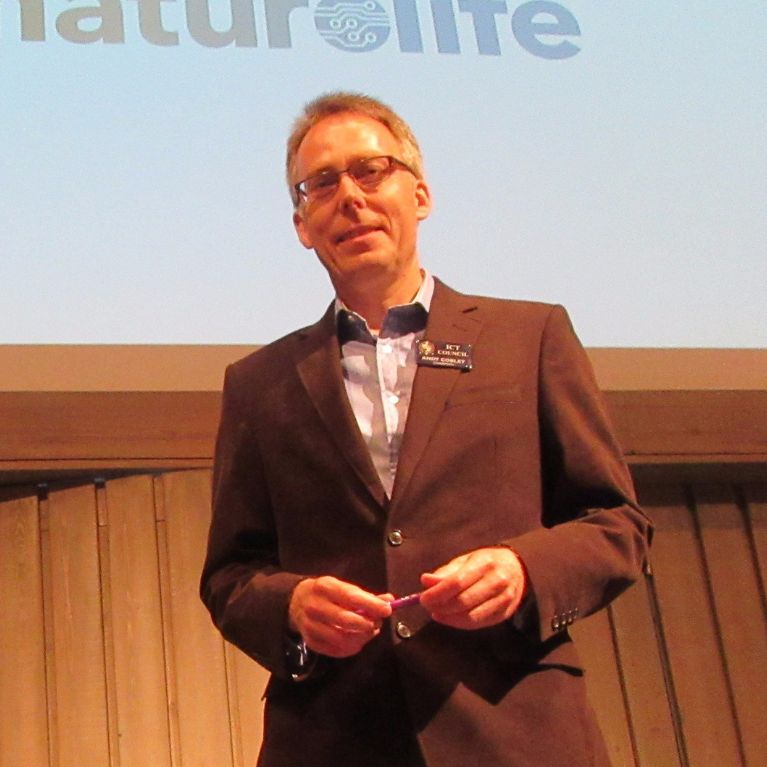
(709, 735)
(198, 649)
(691, 423)
(755, 498)
(77, 629)
(740, 617)
(139, 661)
(642, 669)
(107, 430)
(120, 665)
(247, 682)
(23, 705)
(597, 650)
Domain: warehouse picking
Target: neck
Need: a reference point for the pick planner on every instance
(373, 301)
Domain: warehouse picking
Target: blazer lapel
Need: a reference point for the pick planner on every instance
(453, 318)
(318, 362)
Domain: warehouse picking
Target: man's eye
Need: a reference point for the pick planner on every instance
(324, 181)
(370, 175)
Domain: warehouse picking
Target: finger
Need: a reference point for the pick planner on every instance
(441, 590)
(357, 622)
(330, 596)
(336, 642)
(488, 613)
(449, 568)
(373, 607)
(485, 589)
(339, 619)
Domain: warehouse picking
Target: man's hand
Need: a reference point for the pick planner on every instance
(336, 618)
(476, 590)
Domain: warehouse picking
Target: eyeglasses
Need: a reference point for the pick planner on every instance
(367, 173)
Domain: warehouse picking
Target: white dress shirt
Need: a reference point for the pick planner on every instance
(378, 374)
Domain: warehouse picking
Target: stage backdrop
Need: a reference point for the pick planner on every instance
(608, 156)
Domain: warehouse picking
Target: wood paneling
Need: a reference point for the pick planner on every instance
(23, 721)
(755, 498)
(604, 678)
(690, 424)
(107, 426)
(109, 658)
(202, 699)
(75, 594)
(643, 670)
(728, 555)
(109, 430)
(197, 367)
(689, 645)
(136, 612)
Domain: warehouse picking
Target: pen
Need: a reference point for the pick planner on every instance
(395, 604)
(410, 599)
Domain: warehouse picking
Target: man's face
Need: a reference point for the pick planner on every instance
(359, 235)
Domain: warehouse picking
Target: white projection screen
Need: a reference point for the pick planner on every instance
(608, 156)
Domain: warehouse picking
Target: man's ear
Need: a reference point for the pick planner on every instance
(300, 227)
(422, 199)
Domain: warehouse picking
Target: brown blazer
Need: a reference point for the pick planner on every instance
(519, 450)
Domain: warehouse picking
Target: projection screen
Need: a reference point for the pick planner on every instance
(608, 156)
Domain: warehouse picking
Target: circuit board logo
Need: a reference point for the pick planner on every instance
(352, 25)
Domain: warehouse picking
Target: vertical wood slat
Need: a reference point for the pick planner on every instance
(246, 703)
(23, 705)
(50, 640)
(642, 670)
(739, 612)
(198, 649)
(105, 582)
(594, 640)
(163, 571)
(77, 629)
(754, 497)
(709, 734)
(139, 663)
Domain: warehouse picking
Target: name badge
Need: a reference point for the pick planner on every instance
(440, 354)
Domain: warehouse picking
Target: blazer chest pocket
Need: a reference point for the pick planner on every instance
(484, 395)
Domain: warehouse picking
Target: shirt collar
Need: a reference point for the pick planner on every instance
(399, 320)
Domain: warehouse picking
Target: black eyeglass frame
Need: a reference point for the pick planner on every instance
(394, 164)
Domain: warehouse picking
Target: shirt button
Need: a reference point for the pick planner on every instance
(403, 630)
(386, 349)
(395, 538)
(394, 399)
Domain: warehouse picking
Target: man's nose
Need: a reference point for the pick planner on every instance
(349, 193)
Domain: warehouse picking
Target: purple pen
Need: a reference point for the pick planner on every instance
(410, 599)
(395, 604)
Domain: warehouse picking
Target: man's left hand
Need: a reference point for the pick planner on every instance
(475, 590)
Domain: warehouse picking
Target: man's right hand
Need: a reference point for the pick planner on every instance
(336, 618)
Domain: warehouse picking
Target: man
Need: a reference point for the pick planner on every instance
(413, 440)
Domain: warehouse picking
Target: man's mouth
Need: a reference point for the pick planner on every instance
(354, 232)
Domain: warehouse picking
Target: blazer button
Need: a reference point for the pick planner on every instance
(395, 538)
(403, 630)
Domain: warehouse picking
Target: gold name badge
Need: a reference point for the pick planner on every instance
(441, 354)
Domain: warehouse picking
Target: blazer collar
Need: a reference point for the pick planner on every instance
(318, 361)
(453, 318)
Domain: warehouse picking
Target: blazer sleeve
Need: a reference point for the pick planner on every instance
(242, 584)
(594, 541)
